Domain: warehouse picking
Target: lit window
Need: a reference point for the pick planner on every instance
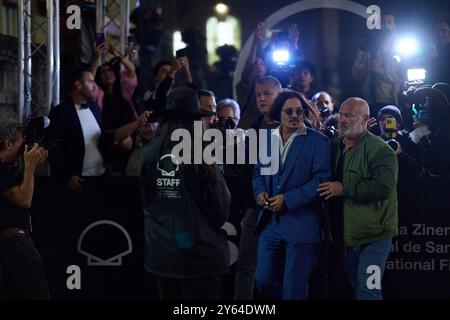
(177, 42)
(219, 33)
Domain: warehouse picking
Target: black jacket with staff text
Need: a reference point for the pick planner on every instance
(183, 216)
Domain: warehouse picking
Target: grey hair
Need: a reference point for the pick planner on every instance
(10, 127)
(269, 80)
(360, 103)
(231, 104)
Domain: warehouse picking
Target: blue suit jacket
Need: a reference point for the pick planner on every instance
(307, 165)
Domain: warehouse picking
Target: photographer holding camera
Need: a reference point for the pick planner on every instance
(431, 110)
(390, 121)
(236, 174)
(375, 67)
(325, 105)
(440, 57)
(22, 271)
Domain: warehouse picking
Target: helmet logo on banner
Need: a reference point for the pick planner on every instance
(92, 243)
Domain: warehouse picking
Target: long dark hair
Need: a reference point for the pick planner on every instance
(311, 117)
(116, 110)
(114, 64)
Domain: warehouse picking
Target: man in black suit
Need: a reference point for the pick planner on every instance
(77, 123)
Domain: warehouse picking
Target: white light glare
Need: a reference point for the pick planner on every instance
(416, 74)
(407, 46)
(280, 57)
(221, 8)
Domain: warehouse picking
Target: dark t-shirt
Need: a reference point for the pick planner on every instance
(337, 203)
(11, 216)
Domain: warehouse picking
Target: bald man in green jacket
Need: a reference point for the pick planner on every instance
(362, 199)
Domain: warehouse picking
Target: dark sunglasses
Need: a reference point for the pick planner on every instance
(290, 111)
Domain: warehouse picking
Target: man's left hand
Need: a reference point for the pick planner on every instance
(330, 189)
(276, 203)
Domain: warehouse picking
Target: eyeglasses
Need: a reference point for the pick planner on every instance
(290, 111)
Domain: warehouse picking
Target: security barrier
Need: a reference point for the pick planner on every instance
(92, 245)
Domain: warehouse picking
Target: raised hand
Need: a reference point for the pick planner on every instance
(260, 32)
(372, 122)
(294, 34)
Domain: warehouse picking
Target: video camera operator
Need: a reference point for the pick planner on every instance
(432, 129)
(439, 62)
(375, 67)
(282, 54)
(324, 103)
(22, 272)
(302, 79)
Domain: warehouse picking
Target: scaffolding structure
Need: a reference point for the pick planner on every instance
(114, 15)
(111, 15)
(29, 85)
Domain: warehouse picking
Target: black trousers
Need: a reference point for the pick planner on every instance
(247, 257)
(22, 272)
(330, 281)
(208, 288)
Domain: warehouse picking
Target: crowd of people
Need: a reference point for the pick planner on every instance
(332, 203)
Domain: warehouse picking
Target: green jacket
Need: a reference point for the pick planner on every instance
(370, 190)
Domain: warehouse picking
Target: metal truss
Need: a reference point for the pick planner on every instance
(38, 86)
(113, 16)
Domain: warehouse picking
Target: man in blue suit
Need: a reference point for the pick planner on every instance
(290, 218)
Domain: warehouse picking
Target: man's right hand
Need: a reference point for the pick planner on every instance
(372, 122)
(75, 185)
(262, 198)
(35, 156)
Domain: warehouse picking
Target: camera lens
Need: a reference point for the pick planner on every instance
(393, 144)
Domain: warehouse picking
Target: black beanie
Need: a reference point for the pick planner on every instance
(393, 111)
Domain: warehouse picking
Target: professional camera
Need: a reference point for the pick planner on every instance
(330, 125)
(224, 124)
(324, 113)
(281, 56)
(280, 48)
(330, 131)
(415, 104)
(394, 144)
(422, 99)
(34, 132)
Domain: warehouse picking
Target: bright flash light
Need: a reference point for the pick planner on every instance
(397, 58)
(221, 9)
(416, 74)
(407, 47)
(280, 57)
